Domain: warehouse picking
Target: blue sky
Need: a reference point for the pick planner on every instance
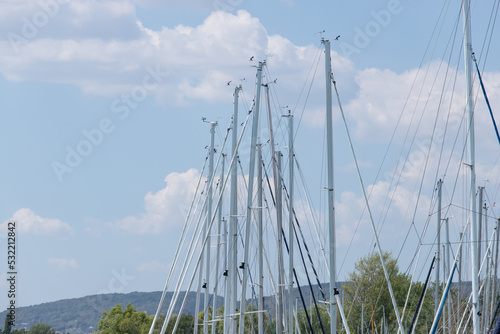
(134, 79)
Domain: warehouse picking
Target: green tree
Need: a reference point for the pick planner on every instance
(127, 321)
(186, 324)
(201, 318)
(19, 331)
(313, 317)
(8, 327)
(367, 287)
(41, 329)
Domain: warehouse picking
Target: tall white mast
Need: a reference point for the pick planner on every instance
(231, 287)
(281, 278)
(219, 234)
(480, 227)
(253, 143)
(331, 198)
(207, 225)
(472, 200)
(290, 223)
(495, 264)
(448, 268)
(438, 248)
(261, 241)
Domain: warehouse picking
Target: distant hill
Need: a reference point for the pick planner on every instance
(82, 315)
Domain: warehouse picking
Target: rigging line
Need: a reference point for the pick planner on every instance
(295, 274)
(382, 223)
(425, 107)
(443, 299)
(424, 172)
(429, 150)
(492, 205)
(486, 98)
(450, 108)
(412, 118)
(469, 304)
(187, 263)
(468, 211)
(311, 211)
(254, 294)
(411, 89)
(491, 34)
(419, 305)
(441, 98)
(300, 289)
(287, 197)
(267, 207)
(415, 259)
(493, 12)
(459, 126)
(396, 311)
(177, 251)
(408, 97)
(192, 243)
(308, 280)
(212, 219)
(318, 58)
(461, 159)
(404, 241)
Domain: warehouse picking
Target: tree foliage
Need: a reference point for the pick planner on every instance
(367, 288)
(314, 319)
(127, 321)
(35, 329)
(8, 327)
(41, 329)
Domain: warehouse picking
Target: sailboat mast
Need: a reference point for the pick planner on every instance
(495, 268)
(281, 278)
(230, 301)
(290, 223)
(219, 234)
(480, 227)
(208, 219)
(253, 143)
(472, 200)
(261, 242)
(448, 246)
(438, 248)
(331, 203)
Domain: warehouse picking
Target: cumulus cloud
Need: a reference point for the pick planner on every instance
(166, 208)
(29, 223)
(61, 263)
(28, 20)
(200, 59)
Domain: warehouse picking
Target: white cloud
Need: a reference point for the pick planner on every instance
(29, 223)
(30, 20)
(200, 59)
(61, 263)
(166, 208)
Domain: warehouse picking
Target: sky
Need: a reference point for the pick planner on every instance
(103, 143)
